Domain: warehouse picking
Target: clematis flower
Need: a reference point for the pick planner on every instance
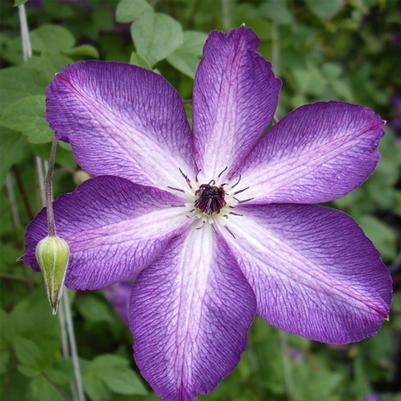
(219, 223)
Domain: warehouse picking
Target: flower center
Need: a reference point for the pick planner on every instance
(210, 198)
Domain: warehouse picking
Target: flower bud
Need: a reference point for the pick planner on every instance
(80, 176)
(52, 254)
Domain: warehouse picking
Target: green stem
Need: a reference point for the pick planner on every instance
(226, 14)
(13, 203)
(46, 197)
(275, 48)
(287, 371)
(51, 225)
(73, 347)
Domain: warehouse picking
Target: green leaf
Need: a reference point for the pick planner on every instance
(309, 80)
(277, 11)
(131, 10)
(156, 36)
(19, 82)
(325, 9)
(83, 51)
(27, 116)
(61, 373)
(113, 372)
(383, 236)
(94, 309)
(43, 390)
(28, 353)
(52, 38)
(331, 70)
(186, 57)
(139, 60)
(4, 359)
(125, 382)
(48, 64)
(13, 149)
(19, 2)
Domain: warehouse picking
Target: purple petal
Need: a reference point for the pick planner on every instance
(121, 120)
(317, 153)
(313, 271)
(191, 311)
(114, 229)
(235, 97)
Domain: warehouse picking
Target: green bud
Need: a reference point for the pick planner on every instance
(80, 176)
(52, 254)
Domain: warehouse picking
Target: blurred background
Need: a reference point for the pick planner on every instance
(321, 49)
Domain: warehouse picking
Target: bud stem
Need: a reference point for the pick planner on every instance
(49, 189)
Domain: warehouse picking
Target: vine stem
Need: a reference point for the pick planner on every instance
(51, 225)
(287, 371)
(13, 203)
(45, 186)
(275, 48)
(73, 348)
(226, 14)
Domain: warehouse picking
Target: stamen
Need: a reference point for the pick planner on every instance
(244, 200)
(175, 189)
(241, 190)
(226, 227)
(186, 178)
(239, 179)
(221, 172)
(198, 228)
(177, 205)
(236, 214)
(211, 182)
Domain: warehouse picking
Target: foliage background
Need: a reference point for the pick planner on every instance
(322, 49)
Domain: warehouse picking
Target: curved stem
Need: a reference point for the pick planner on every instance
(73, 347)
(226, 14)
(49, 189)
(47, 200)
(287, 371)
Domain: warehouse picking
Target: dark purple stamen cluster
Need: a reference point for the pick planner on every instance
(210, 198)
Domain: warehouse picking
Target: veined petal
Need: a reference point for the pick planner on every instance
(190, 312)
(235, 97)
(121, 120)
(313, 271)
(317, 153)
(114, 228)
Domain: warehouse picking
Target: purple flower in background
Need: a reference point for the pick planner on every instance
(396, 121)
(220, 223)
(118, 295)
(372, 397)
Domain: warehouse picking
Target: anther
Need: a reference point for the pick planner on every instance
(236, 214)
(241, 190)
(244, 200)
(198, 228)
(175, 189)
(239, 179)
(221, 172)
(188, 181)
(226, 227)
